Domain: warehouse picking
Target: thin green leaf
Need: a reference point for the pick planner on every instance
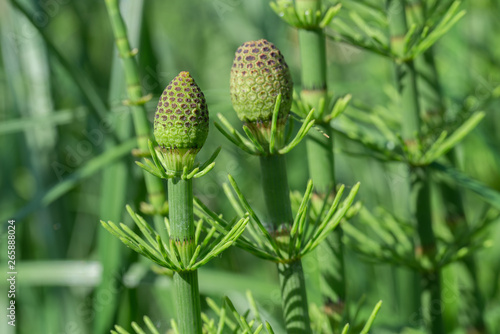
(194, 257)
(489, 195)
(329, 15)
(434, 148)
(272, 141)
(457, 135)
(139, 240)
(211, 160)
(197, 233)
(137, 328)
(143, 226)
(236, 315)
(121, 330)
(254, 140)
(449, 20)
(234, 202)
(235, 134)
(269, 328)
(371, 319)
(174, 326)
(304, 129)
(218, 310)
(232, 139)
(252, 213)
(204, 171)
(222, 321)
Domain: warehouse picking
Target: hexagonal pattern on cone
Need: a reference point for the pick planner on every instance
(181, 118)
(259, 74)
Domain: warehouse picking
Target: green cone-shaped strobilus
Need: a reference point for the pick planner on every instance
(259, 74)
(181, 120)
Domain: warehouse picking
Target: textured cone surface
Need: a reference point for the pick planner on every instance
(181, 118)
(258, 76)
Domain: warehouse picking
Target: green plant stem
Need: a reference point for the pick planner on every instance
(420, 187)
(294, 297)
(276, 190)
(431, 278)
(330, 253)
(433, 107)
(182, 234)
(429, 88)
(320, 150)
(409, 302)
(154, 186)
(114, 186)
(187, 297)
(293, 288)
(321, 159)
(405, 72)
(312, 46)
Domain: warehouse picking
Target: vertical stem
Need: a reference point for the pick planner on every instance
(319, 144)
(114, 185)
(294, 297)
(313, 66)
(420, 187)
(321, 159)
(154, 186)
(276, 190)
(431, 279)
(408, 280)
(180, 195)
(187, 300)
(405, 72)
(433, 107)
(293, 288)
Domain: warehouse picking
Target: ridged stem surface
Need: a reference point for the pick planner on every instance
(291, 275)
(294, 297)
(187, 296)
(320, 155)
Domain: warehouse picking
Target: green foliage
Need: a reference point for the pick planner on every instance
(167, 254)
(66, 126)
(276, 139)
(304, 235)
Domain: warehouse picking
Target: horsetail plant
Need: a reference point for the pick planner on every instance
(434, 111)
(228, 319)
(180, 128)
(136, 100)
(417, 147)
(261, 92)
(310, 19)
(154, 187)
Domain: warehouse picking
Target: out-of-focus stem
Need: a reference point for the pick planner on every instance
(434, 109)
(154, 186)
(420, 187)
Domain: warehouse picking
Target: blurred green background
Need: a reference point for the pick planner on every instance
(66, 137)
